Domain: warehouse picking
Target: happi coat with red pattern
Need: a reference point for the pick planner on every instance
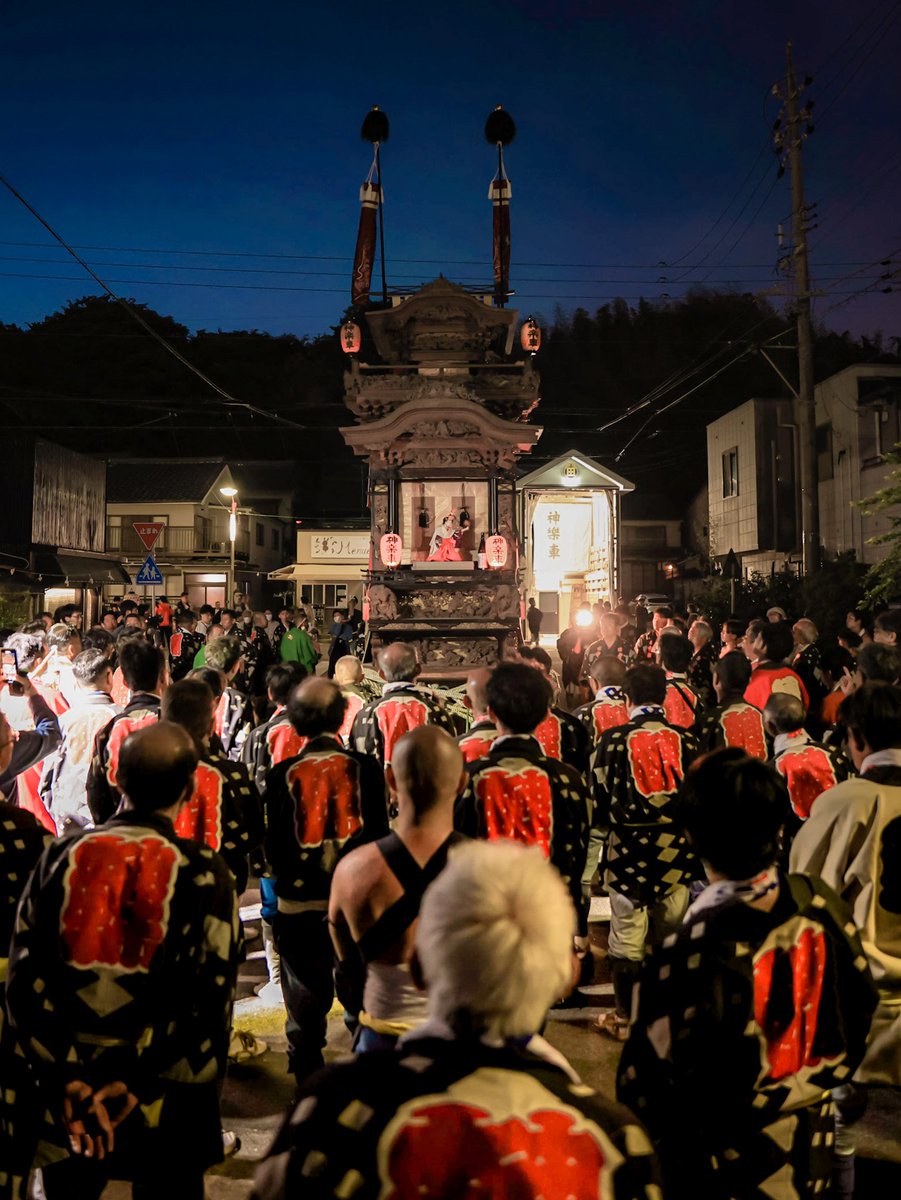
(318, 806)
(637, 769)
(608, 709)
(736, 723)
(518, 792)
(445, 1117)
(224, 813)
(742, 1024)
(122, 967)
(271, 743)
(381, 724)
(102, 788)
(808, 768)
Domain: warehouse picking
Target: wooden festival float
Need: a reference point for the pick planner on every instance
(441, 390)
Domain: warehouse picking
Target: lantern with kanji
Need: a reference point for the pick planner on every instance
(351, 337)
(530, 336)
(390, 550)
(496, 551)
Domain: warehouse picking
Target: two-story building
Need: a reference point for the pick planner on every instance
(753, 477)
(194, 550)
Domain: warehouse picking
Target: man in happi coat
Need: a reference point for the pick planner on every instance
(609, 706)
(732, 721)
(807, 767)
(22, 841)
(852, 841)
(276, 739)
(145, 670)
(121, 979)
(224, 811)
(648, 866)
(318, 805)
(747, 1017)
(402, 706)
(518, 792)
(477, 740)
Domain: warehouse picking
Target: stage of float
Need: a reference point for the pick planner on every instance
(441, 420)
(570, 518)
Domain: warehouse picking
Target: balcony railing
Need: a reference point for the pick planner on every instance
(176, 540)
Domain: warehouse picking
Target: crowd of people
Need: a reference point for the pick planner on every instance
(734, 792)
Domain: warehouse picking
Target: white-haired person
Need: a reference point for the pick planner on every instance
(473, 1102)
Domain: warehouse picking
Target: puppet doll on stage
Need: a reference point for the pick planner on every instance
(445, 543)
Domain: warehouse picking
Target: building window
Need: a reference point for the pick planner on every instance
(260, 534)
(275, 545)
(730, 472)
(825, 468)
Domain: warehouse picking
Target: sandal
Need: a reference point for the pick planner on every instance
(612, 1025)
(243, 1045)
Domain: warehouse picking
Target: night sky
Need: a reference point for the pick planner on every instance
(233, 130)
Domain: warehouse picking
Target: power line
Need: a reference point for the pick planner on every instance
(136, 316)
(11, 258)
(874, 36)
(261, 287)
(347, 258)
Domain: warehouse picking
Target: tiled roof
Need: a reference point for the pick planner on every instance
(155, 481)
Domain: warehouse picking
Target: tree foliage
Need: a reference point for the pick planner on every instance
(883, 580)
(825, 597)
(89, 377)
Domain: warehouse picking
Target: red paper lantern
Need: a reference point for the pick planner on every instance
(530, 336)
(351, 337)
(496, 551)
(390, 550)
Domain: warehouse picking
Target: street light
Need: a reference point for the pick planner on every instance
(232, 493)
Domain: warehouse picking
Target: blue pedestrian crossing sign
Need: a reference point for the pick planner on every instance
(149, 573)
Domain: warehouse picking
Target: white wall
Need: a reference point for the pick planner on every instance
(733, 519)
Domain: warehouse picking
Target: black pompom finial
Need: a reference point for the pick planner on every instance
(500, 127)
(375, 126)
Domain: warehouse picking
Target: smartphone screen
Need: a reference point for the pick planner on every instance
(10, 665)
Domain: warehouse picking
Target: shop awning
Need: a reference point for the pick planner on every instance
(59, 566)
(293, 572)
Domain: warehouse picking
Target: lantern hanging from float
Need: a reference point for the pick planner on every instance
(530, 336)
(496, 551)
(351, 337)
(391, 549)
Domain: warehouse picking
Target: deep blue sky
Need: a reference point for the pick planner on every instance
(235, 127)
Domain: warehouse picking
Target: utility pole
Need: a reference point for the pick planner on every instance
(796, 131)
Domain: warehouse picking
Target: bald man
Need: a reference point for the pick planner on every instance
(318, 804)
(377, 889)
(808, 767)
(136, 980)
(476, 742)
(401, 707)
